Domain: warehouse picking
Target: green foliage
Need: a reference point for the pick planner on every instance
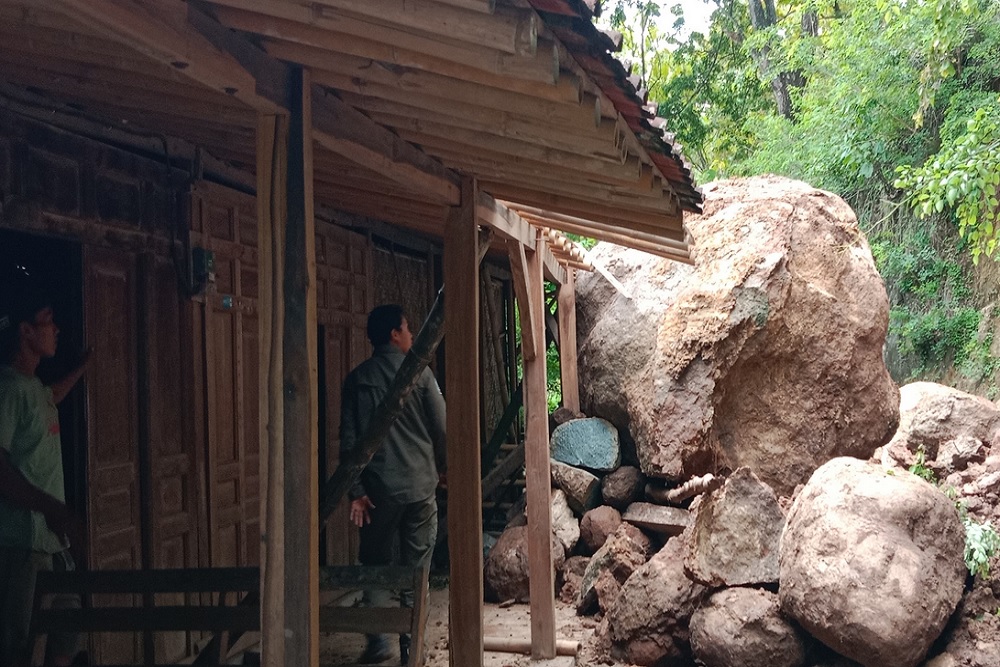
(920, 469)
(963, 177)
(982, 543)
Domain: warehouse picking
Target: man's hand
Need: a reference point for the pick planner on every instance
(359, 511)
(64, 523)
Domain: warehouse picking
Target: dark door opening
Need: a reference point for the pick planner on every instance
(57, 265)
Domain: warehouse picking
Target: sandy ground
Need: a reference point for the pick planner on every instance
(514, 621)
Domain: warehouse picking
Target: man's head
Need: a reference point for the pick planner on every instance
(26, 320)
(387, 324)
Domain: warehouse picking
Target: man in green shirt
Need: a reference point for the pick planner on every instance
(395, 494)
(36, 527)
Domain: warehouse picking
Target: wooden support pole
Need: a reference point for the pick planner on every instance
(566, 312)
(538, 481)
(288, 395)
(465, 519)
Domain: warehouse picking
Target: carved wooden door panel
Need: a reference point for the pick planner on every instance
(113, 508)
(223, 222)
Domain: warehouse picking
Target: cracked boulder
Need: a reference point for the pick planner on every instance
(767, 354)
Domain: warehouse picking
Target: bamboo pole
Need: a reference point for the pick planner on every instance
(569, 647)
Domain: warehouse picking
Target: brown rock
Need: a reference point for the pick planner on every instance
(649, 621)
(561, 415)
(624, 552)
(736, 535)
(583, 490)
(744, 627)
(657, 518)
(872, 563)
(768, 354)
(597, 524)
(506, 569)
(572, 574)
(623, 487)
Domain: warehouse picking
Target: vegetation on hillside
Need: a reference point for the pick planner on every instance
(892, 104)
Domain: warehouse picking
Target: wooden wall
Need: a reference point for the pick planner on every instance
(172, 453)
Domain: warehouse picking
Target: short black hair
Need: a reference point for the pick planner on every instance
(382, 321)
(21, 299)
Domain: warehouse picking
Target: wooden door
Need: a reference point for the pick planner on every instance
(223, 222)
(170, 474)
(113, 506)
(344, 295)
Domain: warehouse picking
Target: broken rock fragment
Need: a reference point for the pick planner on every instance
(590, 443)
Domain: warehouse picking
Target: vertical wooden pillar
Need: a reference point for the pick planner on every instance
(538, 480)
(566, 313)
(289, 395)
(465, 501)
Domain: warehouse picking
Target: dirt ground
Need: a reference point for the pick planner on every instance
(514, 621)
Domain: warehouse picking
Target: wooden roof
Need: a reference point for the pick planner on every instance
(409, 96)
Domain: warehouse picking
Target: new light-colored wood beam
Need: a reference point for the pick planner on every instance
(537, 476)
(542, 66)
(519, 271)
(667, 225)
(623, 238)
(566, 312)
(465, 519)
(505, 222)
(584, 227)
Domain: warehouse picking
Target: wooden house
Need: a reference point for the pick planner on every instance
(222, 190)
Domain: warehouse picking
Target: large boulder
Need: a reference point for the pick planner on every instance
(768, 354)
(743, 627)
(736, 534)
(591, 443)
(872, 562)
(648, 623)
(505, 572)
(625, 551)
(952, 428)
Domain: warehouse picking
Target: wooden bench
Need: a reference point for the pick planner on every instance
(236, 609)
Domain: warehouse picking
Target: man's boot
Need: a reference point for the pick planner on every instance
(377, 650)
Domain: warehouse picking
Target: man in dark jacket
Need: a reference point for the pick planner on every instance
(395, 494)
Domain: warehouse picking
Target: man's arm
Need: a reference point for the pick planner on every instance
(436, 415)
(62, 387)
(350, 429)
(18, 492)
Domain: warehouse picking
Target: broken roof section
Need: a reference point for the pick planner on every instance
(410, 96)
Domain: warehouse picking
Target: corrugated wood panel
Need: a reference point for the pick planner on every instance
(112, 421)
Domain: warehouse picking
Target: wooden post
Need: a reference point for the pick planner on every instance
(566, 312)
(288, 390)
(538, 481)
(465, 505)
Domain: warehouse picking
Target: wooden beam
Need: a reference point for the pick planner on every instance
(380, 41)
(573, 224)
(465, 520)
(289, 431)
(507, 29)
(563, 87)
(522, 289)
(538, 479)
(467, 97)
(507, 224)
(666, 224)
(163, 31)
(566, 312)
(347, 132)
